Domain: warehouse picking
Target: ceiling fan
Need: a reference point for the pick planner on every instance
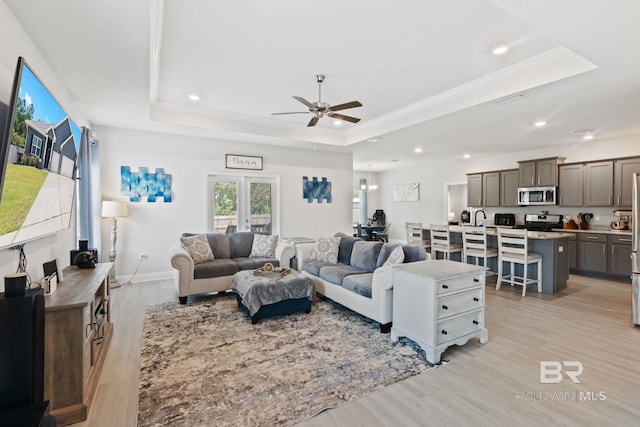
(320, 109)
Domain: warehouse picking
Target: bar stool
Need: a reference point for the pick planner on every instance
(414, 235)
(441, 241)
(513, 248)
(474, 245)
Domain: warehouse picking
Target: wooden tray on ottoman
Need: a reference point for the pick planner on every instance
(273, 274)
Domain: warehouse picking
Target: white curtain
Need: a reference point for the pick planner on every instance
(89, 192)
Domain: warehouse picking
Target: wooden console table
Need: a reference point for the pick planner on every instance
(77, 333)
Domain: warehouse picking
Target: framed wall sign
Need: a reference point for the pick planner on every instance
(235, 161)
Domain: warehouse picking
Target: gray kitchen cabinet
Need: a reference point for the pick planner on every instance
(619, 255)
(592, 252)
(547, 172)
(474, 190)
(509, 188)
(570, 184)
(623, 170)
(539, 173)
(491, 189)
(572, 252)
(598, 184)
(527, 173)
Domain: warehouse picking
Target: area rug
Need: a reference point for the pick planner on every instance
(205, 364)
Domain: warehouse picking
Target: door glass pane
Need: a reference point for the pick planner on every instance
(260, 207)
(225, 219)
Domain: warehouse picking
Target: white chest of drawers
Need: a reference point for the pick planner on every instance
(438, 304)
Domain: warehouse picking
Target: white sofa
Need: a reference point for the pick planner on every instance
(379, 306)
(232, 255)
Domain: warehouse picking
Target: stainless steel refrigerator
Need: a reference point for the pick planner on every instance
(635, 257)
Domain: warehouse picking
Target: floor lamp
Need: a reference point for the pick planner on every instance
(113, 209)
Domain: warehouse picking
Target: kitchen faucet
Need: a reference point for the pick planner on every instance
(475, 217)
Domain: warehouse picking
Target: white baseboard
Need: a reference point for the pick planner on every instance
(147, 277)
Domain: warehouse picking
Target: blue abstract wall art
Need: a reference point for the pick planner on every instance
(145, 185)
(316, 190)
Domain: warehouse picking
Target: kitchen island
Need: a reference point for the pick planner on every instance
(552, 246)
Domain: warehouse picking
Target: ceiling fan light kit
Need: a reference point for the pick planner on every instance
(320, 109)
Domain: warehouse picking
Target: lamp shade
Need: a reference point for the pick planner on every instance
(113, 209)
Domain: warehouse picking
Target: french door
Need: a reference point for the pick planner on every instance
(242, 203)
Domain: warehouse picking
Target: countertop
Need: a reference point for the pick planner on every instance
(539, 235)
(596, 231)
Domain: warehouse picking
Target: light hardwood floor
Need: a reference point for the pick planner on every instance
(493, 384)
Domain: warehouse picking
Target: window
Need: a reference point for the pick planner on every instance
(356, 207)
(36, 145)
(242, 203)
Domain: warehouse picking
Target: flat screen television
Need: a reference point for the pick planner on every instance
(38, 162)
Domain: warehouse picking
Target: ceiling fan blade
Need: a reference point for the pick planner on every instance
(343, 117)
(292, 112)
(304, 101)
(352, 104)
(313, 121)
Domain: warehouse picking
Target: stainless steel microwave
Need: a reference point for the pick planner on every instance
(537, 196)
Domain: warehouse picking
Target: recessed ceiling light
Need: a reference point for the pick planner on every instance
(466, 155)
(500, 50)
(337, 122)
(540, 123)
(417, 150)
(588, 137)
(194, 97)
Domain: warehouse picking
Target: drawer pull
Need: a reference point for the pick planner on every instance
(444, 332)
(475, 322)
(445, 286)
(476, 299)
(625, 240)
(444, 307)
(476, 280)
(591, 238)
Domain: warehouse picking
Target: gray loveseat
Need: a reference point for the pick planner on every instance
(359, 280)
(231, 253)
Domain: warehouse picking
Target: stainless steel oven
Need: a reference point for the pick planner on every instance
(530, 196)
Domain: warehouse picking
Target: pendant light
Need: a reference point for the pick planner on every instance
(371, 186)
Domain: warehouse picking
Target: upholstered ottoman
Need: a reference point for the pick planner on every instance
(263, 296)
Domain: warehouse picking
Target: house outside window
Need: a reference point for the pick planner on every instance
(36, 146)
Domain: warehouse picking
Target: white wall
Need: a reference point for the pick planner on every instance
(433, 175)
(16, 43)
(154, 227)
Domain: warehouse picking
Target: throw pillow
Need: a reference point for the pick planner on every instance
(326, 249)
(198, 247)
(264, 246)
(395, 257)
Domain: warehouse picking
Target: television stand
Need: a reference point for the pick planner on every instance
(28, 416)
(77, 331)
